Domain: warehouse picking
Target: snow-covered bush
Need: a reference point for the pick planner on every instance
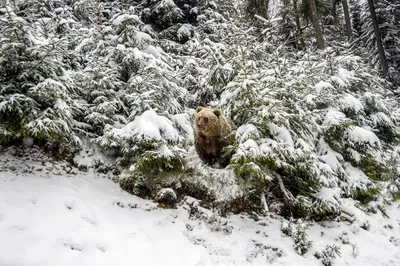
(297, 231)
(134, 74)
(154, 145)
(147, 132)
(308, 121)
(38, 98)
(328, 255)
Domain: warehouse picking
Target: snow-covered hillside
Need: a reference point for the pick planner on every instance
(52, 215)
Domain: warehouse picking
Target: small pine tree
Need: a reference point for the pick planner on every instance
(38, 96)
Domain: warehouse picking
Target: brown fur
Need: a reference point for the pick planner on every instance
(211, 127)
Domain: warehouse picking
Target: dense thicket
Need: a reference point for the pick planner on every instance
(316, 126)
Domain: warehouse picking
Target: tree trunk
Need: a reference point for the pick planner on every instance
(378, 38)
(316, 24)
(298, 26)
(99, 16)
(347, 20)
(257, 7)
(333, 12)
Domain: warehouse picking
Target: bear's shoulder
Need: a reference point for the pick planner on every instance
(226, 125)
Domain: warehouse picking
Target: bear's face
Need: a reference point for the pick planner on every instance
(207, 121)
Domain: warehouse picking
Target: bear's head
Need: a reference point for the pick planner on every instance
(207, 121)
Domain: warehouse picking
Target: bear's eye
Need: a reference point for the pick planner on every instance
(205, 119)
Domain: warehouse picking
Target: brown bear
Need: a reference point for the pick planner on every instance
(211, 128)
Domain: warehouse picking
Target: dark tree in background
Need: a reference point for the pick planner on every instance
(346, 12)
(371, 26)
(257, 7)
(378, 38)
(316, 24)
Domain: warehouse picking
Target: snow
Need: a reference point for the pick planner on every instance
(184, 122)
(248, 148)
(320, 86)
(121, 18)
(274, 7)
(334, 117)
(149, 126)
(350, 102)
(141, 37)
(137, 54)
(281, 133)
(51, 217)
(185, 31)
(63, 106)
(261, 18)
(380, 117)
(83, 43)
(245, 132)
(221, 182)
(328, 194)
(329, 156)
(169, 4)
(344, 77)
(355, 155)
(267, 147)
(166, 194)
(376, 100)
(76, 221)
(155, 51)
(361, 135)
(310, 99)
(356, 175)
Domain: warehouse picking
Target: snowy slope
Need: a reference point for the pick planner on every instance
(50, 217)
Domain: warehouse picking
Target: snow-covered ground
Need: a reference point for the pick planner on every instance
(53, 215)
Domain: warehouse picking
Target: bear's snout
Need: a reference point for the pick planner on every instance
(200, 126)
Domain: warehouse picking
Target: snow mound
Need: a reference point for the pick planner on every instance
(245, 132)
(320, 86)
(334, 117)
(362, 135)
(150, 126)
(281, 133)
(350, 102)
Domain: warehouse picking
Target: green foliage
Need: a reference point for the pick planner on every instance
(249, 201)
(38, 98)
(396, 196)
(365, 195)
(313, 207)
(136, 185)
(246, 169)
(154, 164)
(335, 133)
(335, 136)
(308, 142)
(373, 169)
(296, 229)
(153, 170)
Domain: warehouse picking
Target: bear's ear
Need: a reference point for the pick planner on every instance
(199, 108)
(217, 112)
